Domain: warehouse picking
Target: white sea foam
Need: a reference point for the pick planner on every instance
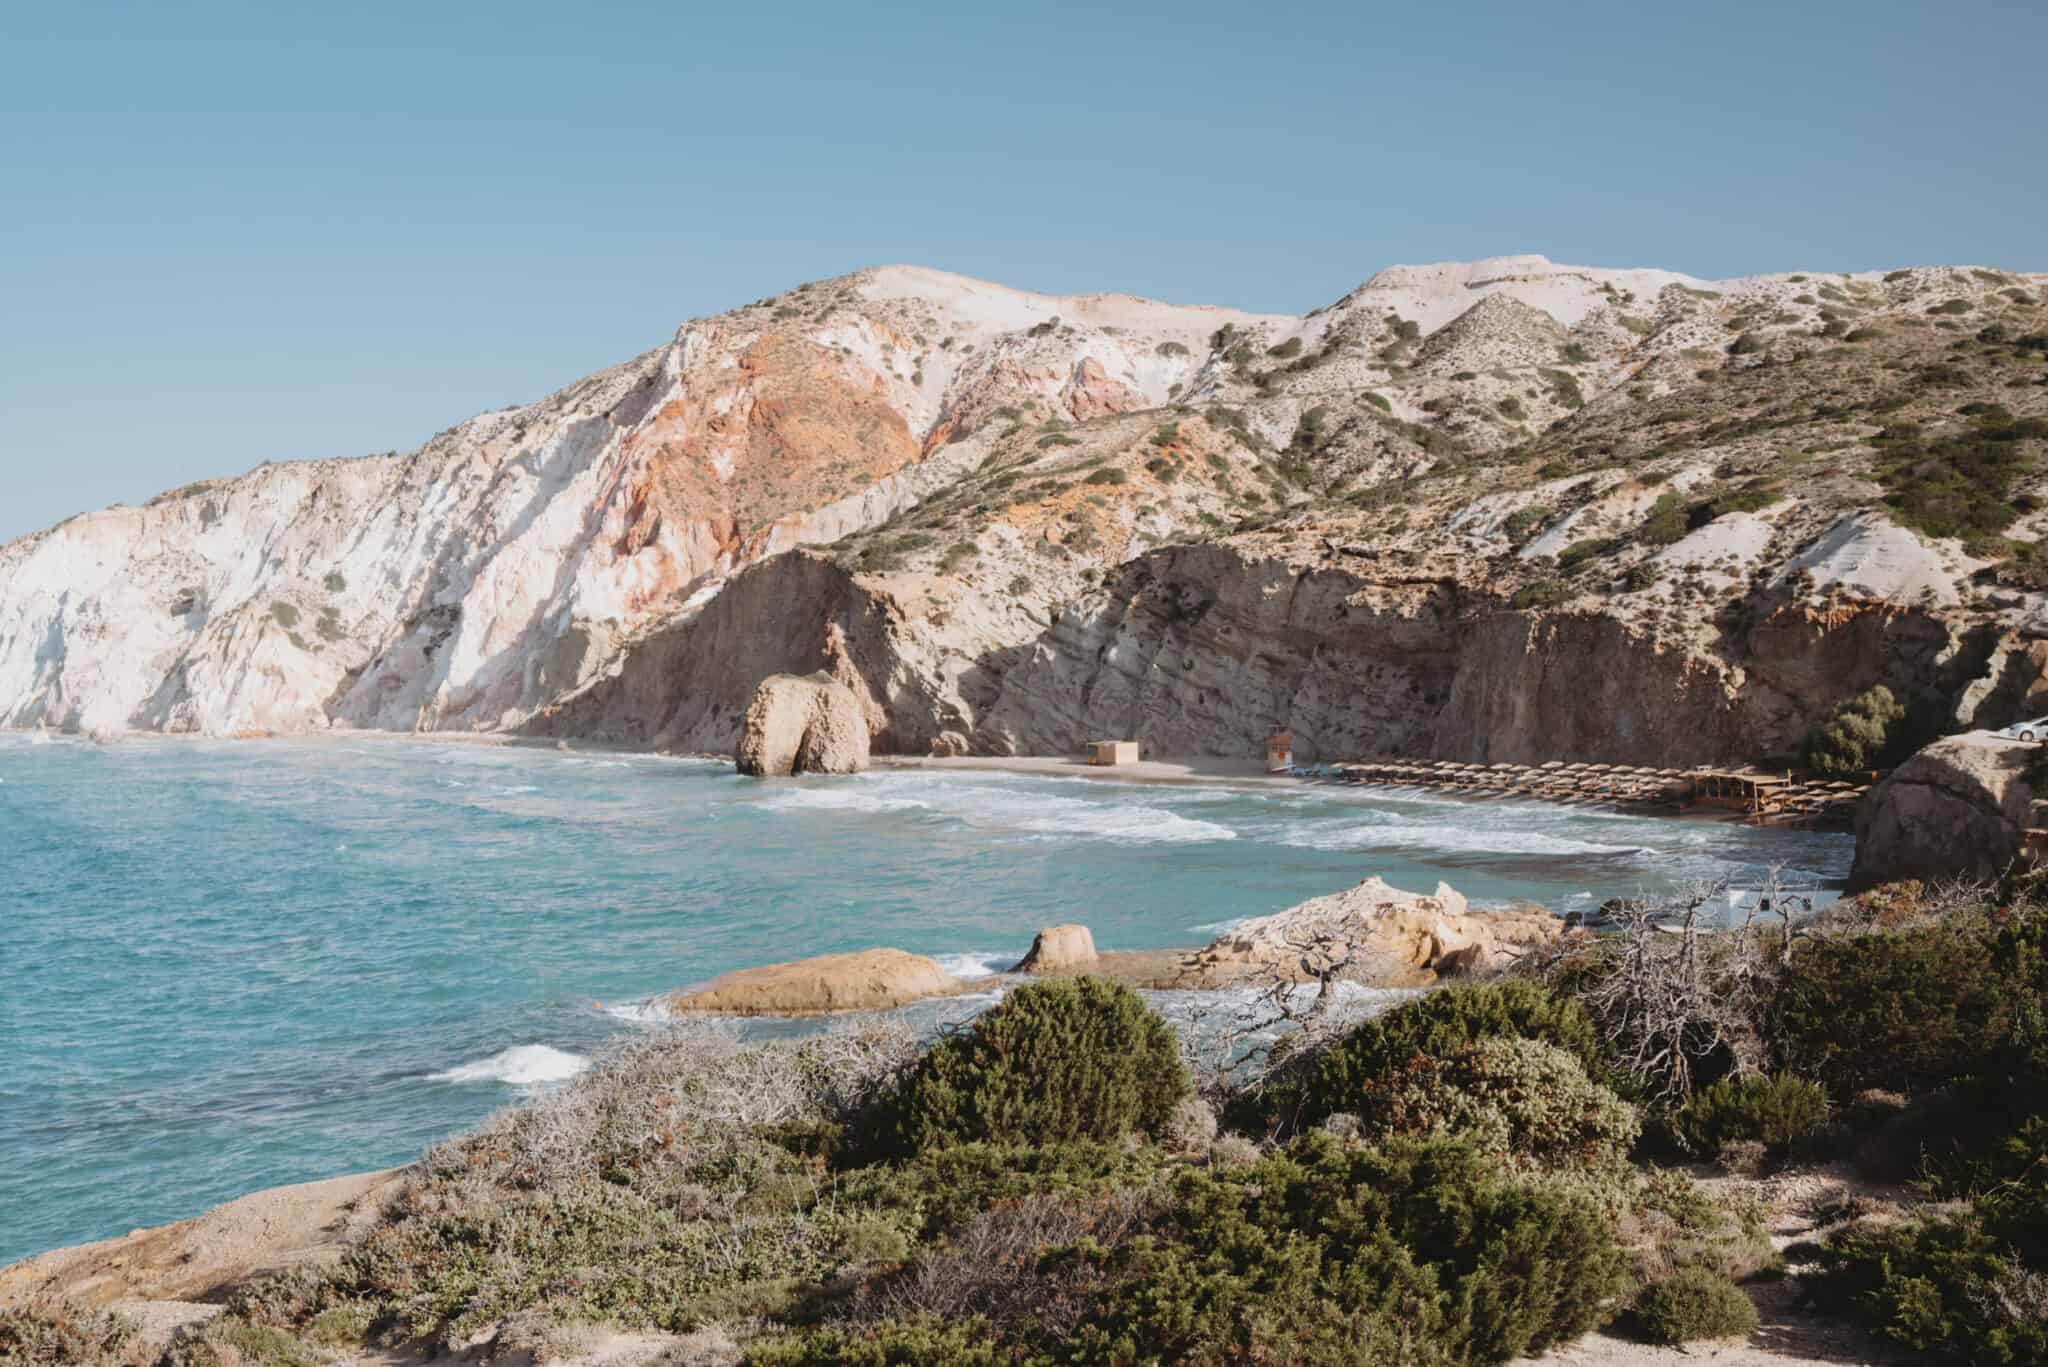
(1474, 839)
(1072, 818)
(647, 1011)
(523, 1065)
(1216, 927)
(839, 799)
(998, 807)
(975, 965)
(1130, 825)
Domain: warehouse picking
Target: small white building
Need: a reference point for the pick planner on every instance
(1113, 752)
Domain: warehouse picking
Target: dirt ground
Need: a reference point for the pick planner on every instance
(1791, 1334)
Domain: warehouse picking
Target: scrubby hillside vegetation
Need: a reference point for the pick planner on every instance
(1476, 1175)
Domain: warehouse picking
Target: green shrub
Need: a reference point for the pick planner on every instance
(1070, 1059)
(1962, 484)
(1018, 586)
(1286, 350)
(606, 1254)
(1945, 1285)
(1574, 353)
(1752, 497)
(1112, 475)
(1868, 731)
(1544, 593)
(1511, 409)
(918, 1342)
(1517, 525)
(58, 1333)
(1377, 400)
(230, 1342)
(1907, 1010)
(1334, 1078)
(1413, 1252)
(1564, 388)
(1694, 1303)
(940, 1189)
(1580, 553)
(1666, 521)
(1523, 1099)
(1770, 1109)
(284, 614)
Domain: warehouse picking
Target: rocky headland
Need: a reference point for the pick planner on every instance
(1499, 510)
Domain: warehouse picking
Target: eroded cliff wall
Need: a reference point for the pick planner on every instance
(1498, 510)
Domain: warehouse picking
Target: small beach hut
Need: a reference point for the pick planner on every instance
(1110, 752)
(1739, 792)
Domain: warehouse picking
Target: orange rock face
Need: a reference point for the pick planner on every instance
(1091, 393)
(791, 427)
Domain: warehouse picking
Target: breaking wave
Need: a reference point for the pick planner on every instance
(1000, 809)
(523, 1065)
(838, 799)
(1466, 839)
(975, 965)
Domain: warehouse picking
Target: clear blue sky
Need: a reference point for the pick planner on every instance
(233, 233)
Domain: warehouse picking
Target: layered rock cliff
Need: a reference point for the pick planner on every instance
(1504, 510)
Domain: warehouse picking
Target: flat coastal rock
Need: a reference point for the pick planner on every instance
(868, 980)
(1398, 938)
(1391, 938)
(268, 1231)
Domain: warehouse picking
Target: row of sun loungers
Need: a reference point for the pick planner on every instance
(1777, 800)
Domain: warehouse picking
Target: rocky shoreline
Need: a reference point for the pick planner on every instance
(1371, 935)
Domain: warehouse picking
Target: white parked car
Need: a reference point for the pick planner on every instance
(2027, 730)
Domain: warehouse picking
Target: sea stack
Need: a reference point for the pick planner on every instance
(803, 725)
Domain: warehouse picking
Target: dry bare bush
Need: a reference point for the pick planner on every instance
(1191, 1129)
(1300, 999)
(992, 1264)
(679, 1097)
(1674, 991)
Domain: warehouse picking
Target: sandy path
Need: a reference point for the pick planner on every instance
(1791, 1334)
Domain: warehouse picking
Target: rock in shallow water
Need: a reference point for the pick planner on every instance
(867, 980)
(803, 725)
(1059, 949)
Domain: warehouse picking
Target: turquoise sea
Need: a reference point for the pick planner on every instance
(225, 966)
